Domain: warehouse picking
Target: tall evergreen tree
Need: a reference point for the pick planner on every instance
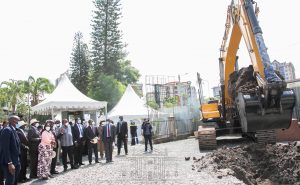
(107, 47)
(111, 71)
(80, 64)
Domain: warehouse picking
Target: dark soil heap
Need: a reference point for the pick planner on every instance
(242, 81)
(277, 164)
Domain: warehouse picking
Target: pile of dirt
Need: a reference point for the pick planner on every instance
(241, 81)
(276, 164)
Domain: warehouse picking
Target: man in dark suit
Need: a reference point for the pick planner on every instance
(10, 152)
(91, 133)
(24, 148)
(122, 132)
(78, 138)
(34, 141)
(147, 133)
(133, 132)
(2, 126)
(108, 137)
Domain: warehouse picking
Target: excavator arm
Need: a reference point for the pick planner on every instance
(270, 104)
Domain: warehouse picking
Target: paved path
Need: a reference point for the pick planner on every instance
(165, 165)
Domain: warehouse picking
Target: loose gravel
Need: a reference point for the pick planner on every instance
(169, 163)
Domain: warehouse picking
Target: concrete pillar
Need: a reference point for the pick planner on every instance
(172, 127)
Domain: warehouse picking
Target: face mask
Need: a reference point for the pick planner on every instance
(54, 127)
(47, 128)
(18, 125)
(93, 123)
(79, 121)
(37, 125)
(67, 124)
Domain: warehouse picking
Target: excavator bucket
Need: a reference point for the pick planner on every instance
(254, 117)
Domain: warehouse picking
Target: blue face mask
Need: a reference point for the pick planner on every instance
(18, 125)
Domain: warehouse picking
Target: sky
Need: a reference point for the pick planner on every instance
(164, 37)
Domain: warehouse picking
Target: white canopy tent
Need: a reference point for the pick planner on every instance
(131, 106)
(66, 97)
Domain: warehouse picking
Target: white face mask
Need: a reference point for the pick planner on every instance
(79, 121)
(47, 128)
(54, 126)
(37, 125)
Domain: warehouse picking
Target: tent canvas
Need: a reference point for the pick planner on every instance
(131, 106)
(66, 97)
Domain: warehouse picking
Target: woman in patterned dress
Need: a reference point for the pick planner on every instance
(45, 152)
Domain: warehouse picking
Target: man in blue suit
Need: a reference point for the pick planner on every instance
(10, 152)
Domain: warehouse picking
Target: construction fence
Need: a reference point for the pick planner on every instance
(173, 128)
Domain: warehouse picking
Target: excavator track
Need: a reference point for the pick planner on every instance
(264, 137)
(207, 138)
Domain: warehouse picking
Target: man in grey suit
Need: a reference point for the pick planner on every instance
(108, 137)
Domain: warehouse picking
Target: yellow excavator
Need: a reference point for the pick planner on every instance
(254, 100)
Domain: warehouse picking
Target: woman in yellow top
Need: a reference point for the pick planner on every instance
(45, 152)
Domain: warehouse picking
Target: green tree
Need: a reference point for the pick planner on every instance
(127, 74)
(153, 105)
(37, 88)
(14, 90)
(80, 63)
(107, 88)
(170, 102)
(107, 48)
(108, 54)
(3, 97)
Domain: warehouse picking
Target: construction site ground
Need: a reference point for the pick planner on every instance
(169, 163)
(234, 162)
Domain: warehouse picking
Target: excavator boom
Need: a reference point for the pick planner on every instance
(254, 99)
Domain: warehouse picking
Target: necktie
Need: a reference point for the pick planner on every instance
(108, 130)
(93, 130)
(80, 129)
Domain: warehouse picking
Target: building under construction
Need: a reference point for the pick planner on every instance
(160, 88)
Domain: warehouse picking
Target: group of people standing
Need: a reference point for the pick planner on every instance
(43, 145)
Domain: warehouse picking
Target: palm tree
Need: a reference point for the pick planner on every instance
(37, 88)
(13, 92)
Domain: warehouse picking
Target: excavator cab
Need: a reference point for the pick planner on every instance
(210, 111)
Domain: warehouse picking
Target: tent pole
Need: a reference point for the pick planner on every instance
(52, 114)
(105, 112)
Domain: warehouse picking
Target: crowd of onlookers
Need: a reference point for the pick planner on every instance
(41, 145)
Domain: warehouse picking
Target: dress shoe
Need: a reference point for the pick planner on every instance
(55, 172)
(81, 164)
(45, 178)
(107, 161)
(90, 163)
(97, 162)
(74, 167)
(65, 169)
